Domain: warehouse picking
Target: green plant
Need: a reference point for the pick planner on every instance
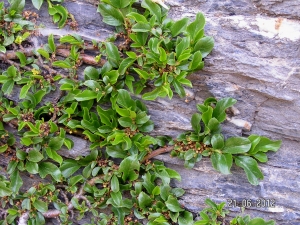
(215, 215)
(118, 173)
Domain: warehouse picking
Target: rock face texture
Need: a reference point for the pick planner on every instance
(256, 60)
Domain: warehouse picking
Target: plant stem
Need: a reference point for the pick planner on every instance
(157, 152)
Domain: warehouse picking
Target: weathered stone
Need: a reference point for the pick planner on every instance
(256, 60)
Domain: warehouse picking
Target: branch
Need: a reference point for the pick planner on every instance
(157, 152)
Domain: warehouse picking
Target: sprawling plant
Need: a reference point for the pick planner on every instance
(117, 181)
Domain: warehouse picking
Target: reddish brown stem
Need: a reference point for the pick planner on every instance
(157, 152)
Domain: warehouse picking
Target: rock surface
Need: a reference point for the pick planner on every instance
(256, 60)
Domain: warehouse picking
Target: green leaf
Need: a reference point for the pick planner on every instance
(62, 64)
(91, 73)
(260, 221)
(53, 155)
(56, 143)
(204, 45)
(129, 167)
(146, 127)
(217, 141)
(142, 118)
(144, 200)
(261, 156)
(162, 55)
(173, 204)
(125, 100)
(43, 53)
(86, 95)
(186, 218)
(32, 167)
(69, 167)
(236, 145)
(7, 87)
(141, 27)
(22, 58)
(2, 49)
(153, 8)
(113, 52)
(34, 156)
(17, 5)
(120, 3)
(3, 148)
(114, 184)
(196, 26)
(24, 91)
(125, 64)
(143, 74)
(179, 26)
(195, 121)
(37, 3)
(46, 168)
(250, 167)
(41, 206)
(221, 106)
(111, 15)
(196, 62)
(263, 144)
(51, 43)
(137, 17)
(116, 152)
(4, 191)
(16, 181)
(221, 162)
(125, 121)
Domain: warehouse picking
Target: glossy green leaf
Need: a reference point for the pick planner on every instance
(86, 95)
(141, 27)
(260, 221)
(153, 8)
(236, 145)
(195, 121)
(221, 106)
(137, 17)
(53, 155)
(110, 15)
(250, 167)
(144, 200)
(69, 167)
(4, 191)
(129, 167)
(3, 148)
(32, 167)
(173, 204)
(41, 206)
(263, 144)
(34, 156)
(186, 218)
(7, 87)
(56, 143)
(46, 168)
(196, 62)
(114, 184)
(51, 43)
(16, 181)
(179, 26)
(221, 162)
(24, 91)
(217, 141)
(204, 45)
(196, 26)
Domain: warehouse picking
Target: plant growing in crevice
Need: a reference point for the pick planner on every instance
(117, 181)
